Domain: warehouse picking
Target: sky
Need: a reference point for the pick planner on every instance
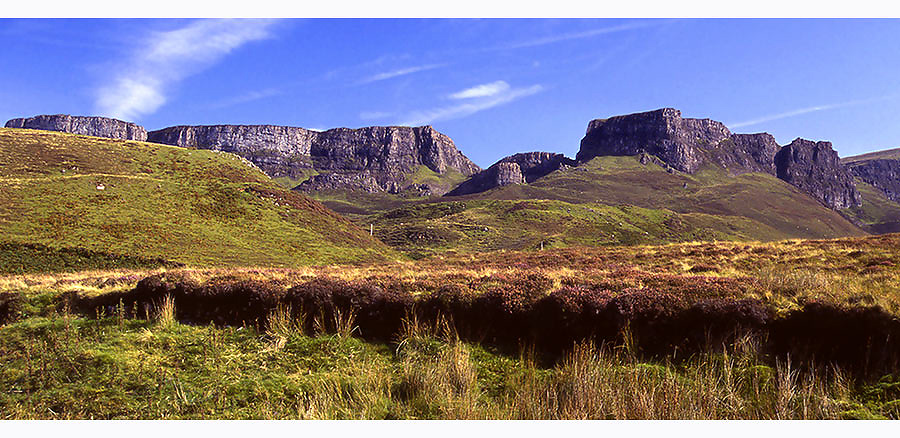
(495, 86)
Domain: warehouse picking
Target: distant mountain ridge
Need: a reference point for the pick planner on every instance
(682, 143)
(688, 145)
(372, 159)
(389, 159)
(424, 162)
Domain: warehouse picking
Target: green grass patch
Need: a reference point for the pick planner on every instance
(153, 201)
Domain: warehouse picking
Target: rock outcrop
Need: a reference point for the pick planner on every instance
(514, 169)
(687, 144)
(814, 167)
(373, 159)
(683, 144)
(93, 126)
(881, 173)
(750, 152)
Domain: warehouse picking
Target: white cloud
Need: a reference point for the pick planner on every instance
(802, 111)
(247, 97)
(140, 85)
(400, 72)
(371, 115)
(483, 90)
(469, 107)
(577, 35)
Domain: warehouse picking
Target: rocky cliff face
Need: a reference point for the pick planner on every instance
(277, 150)
(815, 168)
(93, 126)
(749, 153)
(683, 144)
(371, 159)
(663, 133)
(881, 173)
(687, 144)
(515, 169)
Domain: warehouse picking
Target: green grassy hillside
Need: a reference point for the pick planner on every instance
(878, 155)
(779, 210)
(877, 214)
(154, 201)
(607, 201)
(485, 225)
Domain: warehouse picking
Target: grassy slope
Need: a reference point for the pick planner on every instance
(289, 183)
(610, 200)
(885, 154)
(190, 206)
(877, 213)
(63, 366)
(779, 210)
(477, 225)
(359, 205)
(74, 368)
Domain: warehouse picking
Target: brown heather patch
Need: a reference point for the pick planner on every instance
(552, 298)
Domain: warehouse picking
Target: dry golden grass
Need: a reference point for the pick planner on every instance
(787, 274)
(592, 383)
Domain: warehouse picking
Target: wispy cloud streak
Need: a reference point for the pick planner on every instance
(373, 115)
(247, 97)
(576, 35)
(165, 58)
(807, 110)
(483, 90)
(469, 106)
(400, 72)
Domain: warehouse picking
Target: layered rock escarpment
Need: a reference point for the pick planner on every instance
(93, 126)
(514, 169)
(881, 173)
(814, 167)
(373, 159)
(279, 151)
(683, 144)
(688, 144)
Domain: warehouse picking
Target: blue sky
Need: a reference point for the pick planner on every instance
(496, 86)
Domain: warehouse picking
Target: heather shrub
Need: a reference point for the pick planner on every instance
(378, 311)
(451, 303)
(663, 315)
(571, 315)
(646, 316)
(863, 339)
(10, 305)
(225, 302)
(139, 301)
(503, 314)
(715, 323)
(314, 297)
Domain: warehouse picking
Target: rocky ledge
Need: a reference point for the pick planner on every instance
(514, 169)
(378, 158)
(682, 143)
(688, 144)
(93, 126)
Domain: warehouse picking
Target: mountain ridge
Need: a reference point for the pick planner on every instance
(419, 162)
